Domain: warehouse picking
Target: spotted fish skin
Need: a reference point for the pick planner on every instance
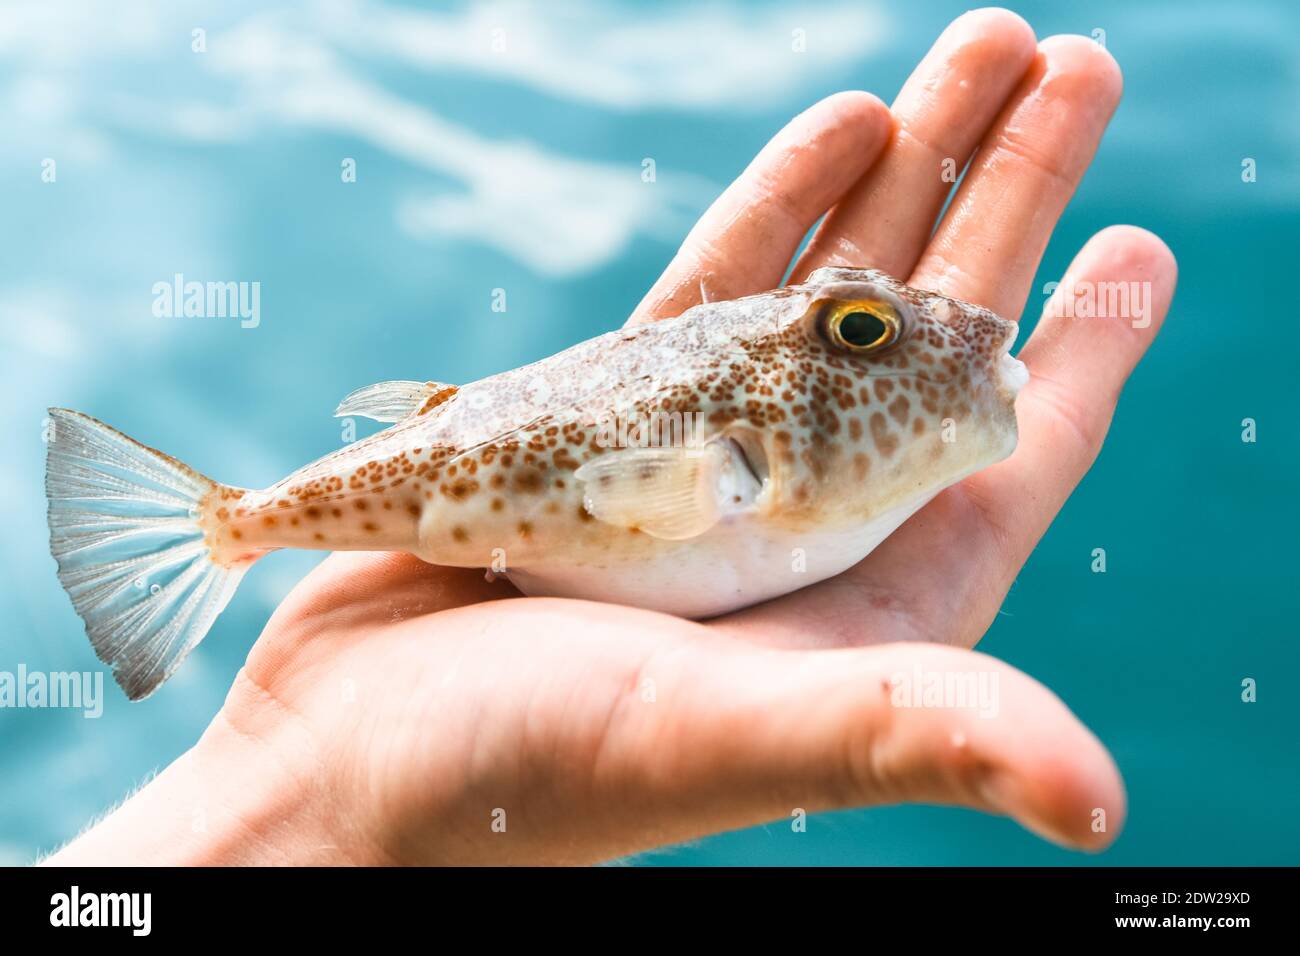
(790, 454)
(488, 476)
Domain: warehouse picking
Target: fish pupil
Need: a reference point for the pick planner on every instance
(862, 329)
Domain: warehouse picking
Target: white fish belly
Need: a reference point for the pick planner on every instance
(738, 563)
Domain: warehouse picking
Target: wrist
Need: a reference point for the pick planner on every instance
(251, 791)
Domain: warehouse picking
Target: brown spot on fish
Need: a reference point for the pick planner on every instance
(886, 441)
(861, 465)
(529, 481)
(460, 490)
(439, 395)
(899, 408)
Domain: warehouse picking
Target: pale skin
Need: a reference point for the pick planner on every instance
(392, 711)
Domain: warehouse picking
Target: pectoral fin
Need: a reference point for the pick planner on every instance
(669, 493)
(394, 401)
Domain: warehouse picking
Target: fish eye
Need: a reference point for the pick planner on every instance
(862, 326)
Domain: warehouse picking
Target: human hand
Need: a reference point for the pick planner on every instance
(1032, 116)
(393, 712)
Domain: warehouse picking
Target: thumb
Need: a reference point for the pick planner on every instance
(739, 736)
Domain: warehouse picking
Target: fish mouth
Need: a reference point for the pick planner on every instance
(1012, 375)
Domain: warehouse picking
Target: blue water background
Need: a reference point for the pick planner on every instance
(477, 173)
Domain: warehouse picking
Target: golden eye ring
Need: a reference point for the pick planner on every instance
(862, 326)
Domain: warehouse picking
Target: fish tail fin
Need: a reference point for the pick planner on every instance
(127, 528)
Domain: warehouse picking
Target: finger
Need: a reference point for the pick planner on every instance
(836, 730)
(739, 736)
(943, 575)
(991, 239)
(941, 113)
(348, 594)
(1079, 359)
(744, 242)
(349, 586)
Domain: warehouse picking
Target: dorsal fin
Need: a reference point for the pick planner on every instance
(394, 401)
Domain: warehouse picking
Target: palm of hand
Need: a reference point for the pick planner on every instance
(471, 729)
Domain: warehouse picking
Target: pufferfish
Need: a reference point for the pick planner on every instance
(696, 465)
